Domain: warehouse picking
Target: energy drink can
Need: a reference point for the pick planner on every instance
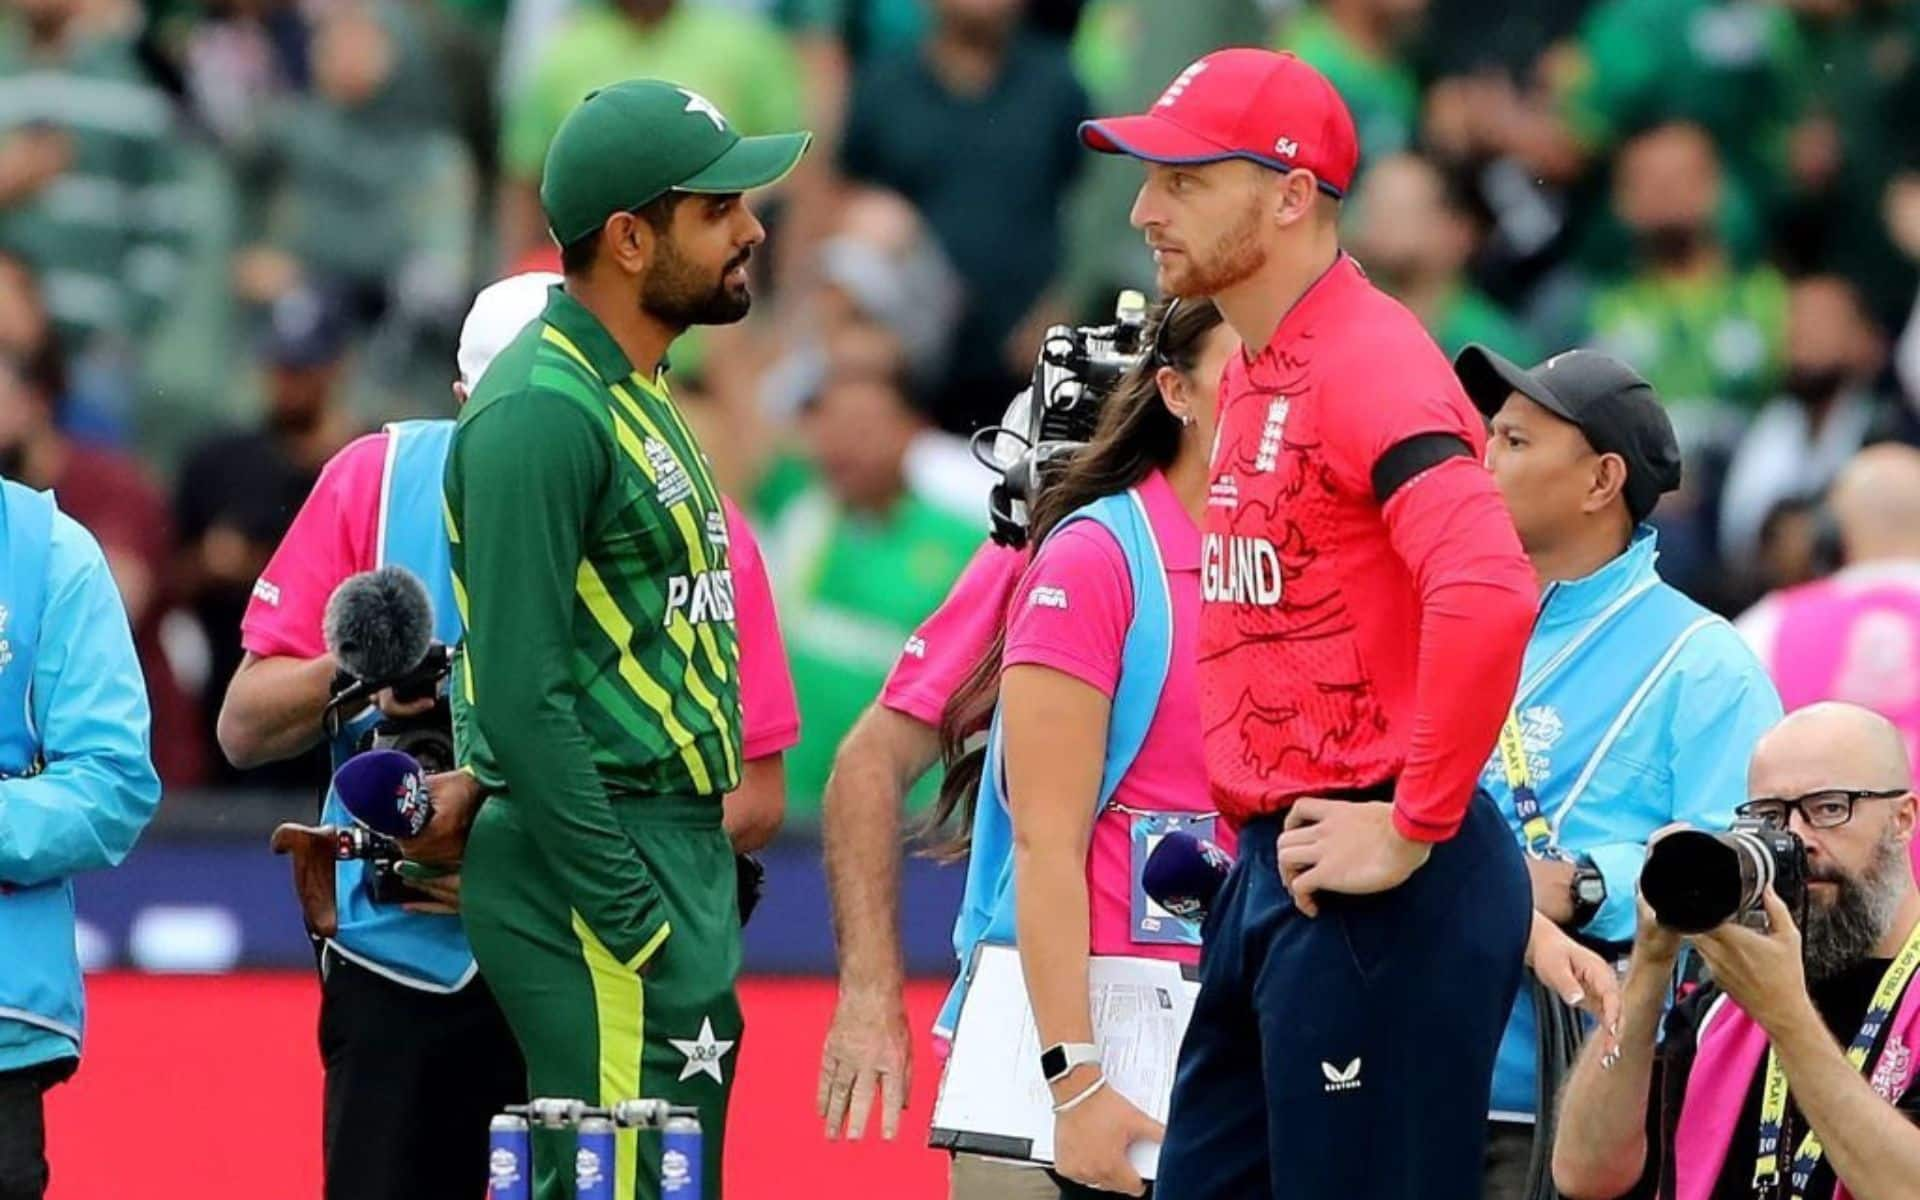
(509, 1159)
(680, 1158)
(593, 1161)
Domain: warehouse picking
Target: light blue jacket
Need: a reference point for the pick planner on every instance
(77, 783)
(426, 951)
(1638, 708)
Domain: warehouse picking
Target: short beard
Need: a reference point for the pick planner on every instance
(1235, 257)
(1841, 934)
(676, 292)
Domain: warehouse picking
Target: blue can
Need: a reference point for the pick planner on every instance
(680, 1158)
(593, 1161)
(509, 1159)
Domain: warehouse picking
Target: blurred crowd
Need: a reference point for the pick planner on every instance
(234, 234)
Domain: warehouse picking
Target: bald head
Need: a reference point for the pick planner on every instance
(1829, 745)
(1876, 503)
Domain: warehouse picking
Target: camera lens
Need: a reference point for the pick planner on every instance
(1696, 881)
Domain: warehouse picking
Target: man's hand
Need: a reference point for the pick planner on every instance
(1341, 846)
(1574, 973)
(869, 1049)
(1763, 972)
(1090, 1143)
(456, 797)
(445, 889)
(1552, 880)
(394, 709)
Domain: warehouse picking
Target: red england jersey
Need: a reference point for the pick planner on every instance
(1315, 592)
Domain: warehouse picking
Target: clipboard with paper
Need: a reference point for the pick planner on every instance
(992, 1098)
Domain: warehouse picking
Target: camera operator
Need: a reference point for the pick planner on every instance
(867, 1056)
(417, 1054)
(1749, 1093)
(1621, 671)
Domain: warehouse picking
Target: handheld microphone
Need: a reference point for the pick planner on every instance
(385, 790)
(379, 624)
(1184, 874)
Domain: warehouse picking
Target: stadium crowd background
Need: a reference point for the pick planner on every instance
(236, 234)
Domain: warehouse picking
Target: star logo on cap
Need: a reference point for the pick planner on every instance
(703, 1053)
(696, 103)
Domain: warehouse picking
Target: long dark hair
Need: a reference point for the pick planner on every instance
(1136, 436)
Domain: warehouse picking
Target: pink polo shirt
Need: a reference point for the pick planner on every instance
(1070, 612)
(949, 644)
(337, 534)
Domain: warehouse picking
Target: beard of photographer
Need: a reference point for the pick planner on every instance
(1802, 995)
(1058, 694)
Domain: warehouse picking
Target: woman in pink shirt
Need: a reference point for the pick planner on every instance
(1051, 678)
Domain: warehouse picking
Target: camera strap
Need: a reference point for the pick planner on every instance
(1773, 1096)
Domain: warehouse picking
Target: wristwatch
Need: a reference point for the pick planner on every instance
(1589, 891)
(1062, 1057)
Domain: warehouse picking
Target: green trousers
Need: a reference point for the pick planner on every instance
(591, 1029)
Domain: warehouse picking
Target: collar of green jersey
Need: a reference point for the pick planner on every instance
(586, 332)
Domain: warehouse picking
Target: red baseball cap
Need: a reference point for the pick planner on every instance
(1265, 106)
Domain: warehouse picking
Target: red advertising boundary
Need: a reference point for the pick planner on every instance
(208, 1088)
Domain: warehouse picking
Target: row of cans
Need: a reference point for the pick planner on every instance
(510, 1146)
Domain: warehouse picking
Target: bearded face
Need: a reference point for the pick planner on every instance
(1845, 926)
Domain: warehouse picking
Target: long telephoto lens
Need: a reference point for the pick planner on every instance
(1696, 881)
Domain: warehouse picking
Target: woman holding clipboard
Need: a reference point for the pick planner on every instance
(1094, 748)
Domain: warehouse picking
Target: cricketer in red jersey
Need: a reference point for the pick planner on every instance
(1367, 606)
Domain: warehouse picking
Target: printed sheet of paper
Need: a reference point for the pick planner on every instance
(992, 1098)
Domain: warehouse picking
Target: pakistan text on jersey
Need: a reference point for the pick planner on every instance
(705, 596)
(1239, 570)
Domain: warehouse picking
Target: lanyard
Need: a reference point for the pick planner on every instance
(1526, 805)
(1773, 1099)
(1512, 746)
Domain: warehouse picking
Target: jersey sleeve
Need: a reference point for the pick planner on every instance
(1071, 609)
(1420, 395)
(947, 645)
(769, 713)
(334, 535)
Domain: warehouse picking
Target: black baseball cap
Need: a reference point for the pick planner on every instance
(1611, 404)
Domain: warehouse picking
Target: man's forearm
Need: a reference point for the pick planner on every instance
(1600, 1147)
(273, 708)
(860, 820)
(1873, 1147)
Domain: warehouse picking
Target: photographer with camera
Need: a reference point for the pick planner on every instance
(1621, 671)
(1809, 920)
(417, 1055)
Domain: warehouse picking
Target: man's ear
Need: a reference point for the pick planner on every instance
(629, 240)
(1296, 197)
(1609, 480)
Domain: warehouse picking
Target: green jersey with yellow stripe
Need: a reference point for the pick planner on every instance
(590, 563)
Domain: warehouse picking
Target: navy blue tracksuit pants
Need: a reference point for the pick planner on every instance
(1349, 1056)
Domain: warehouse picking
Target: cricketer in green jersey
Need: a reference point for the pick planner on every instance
(599, 687)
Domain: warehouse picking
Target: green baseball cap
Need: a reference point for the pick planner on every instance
(633, 142)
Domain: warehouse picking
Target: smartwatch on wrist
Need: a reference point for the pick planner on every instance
(1589, 891)
(1057, 1060)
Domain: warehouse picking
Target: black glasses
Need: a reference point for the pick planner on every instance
(1825, 809)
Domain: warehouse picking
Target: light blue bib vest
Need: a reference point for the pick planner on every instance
(39, 969)
(422, 950)
(987, 909)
